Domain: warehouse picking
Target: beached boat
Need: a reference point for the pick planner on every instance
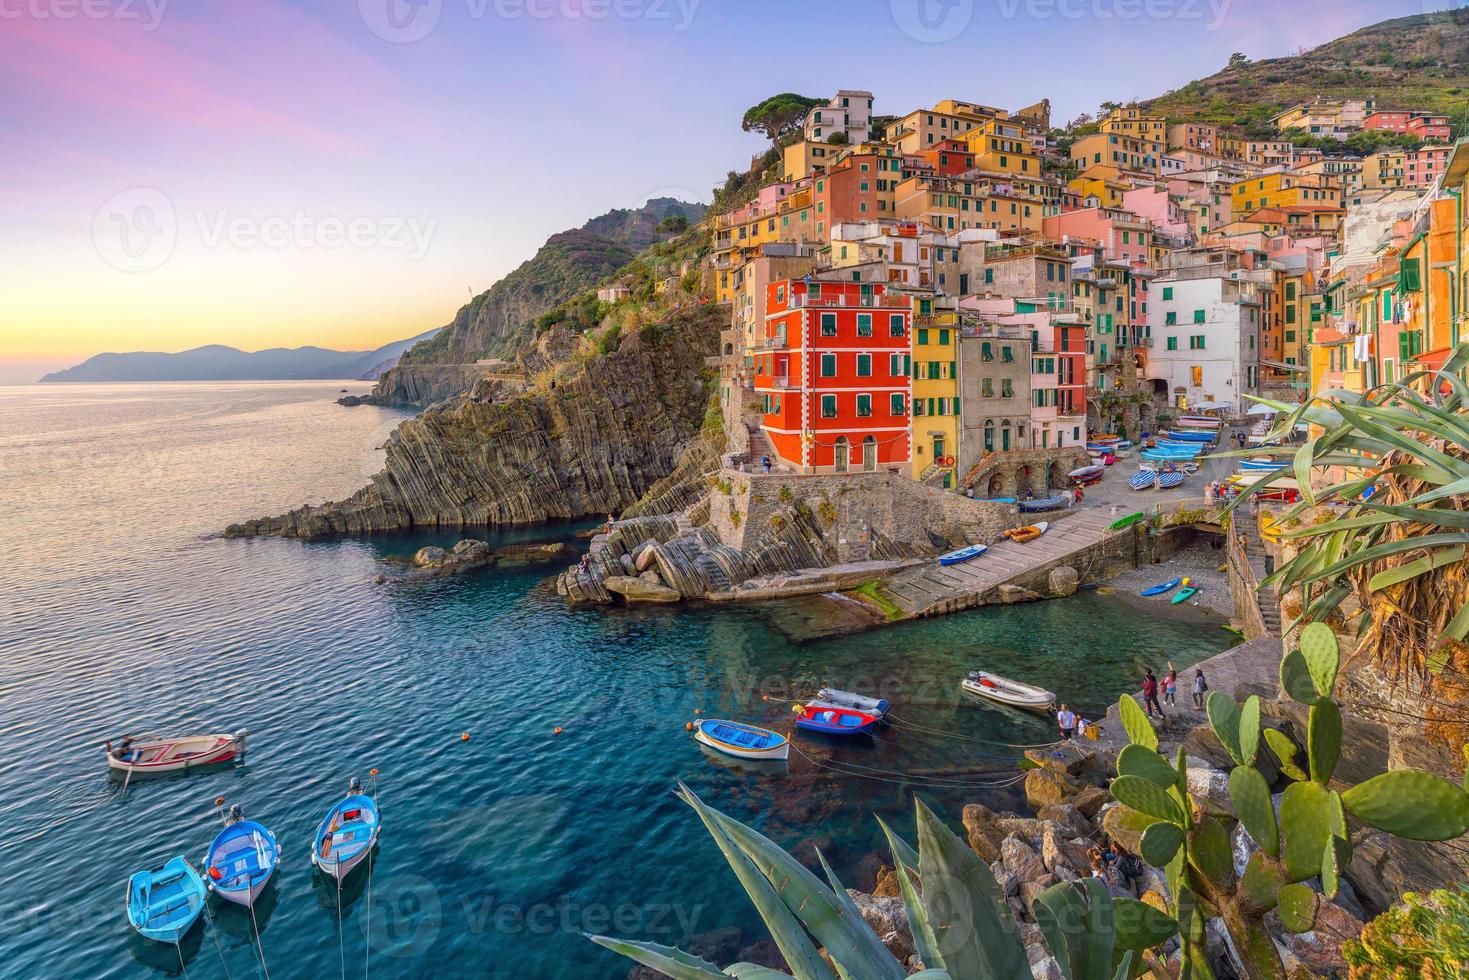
(1127, 521)
(1008, 692)
(1143, 479)
(1199, 421)
(997, 500)
(1260, 465)
(1084, 473)
(1184, 594)
(152, 755)
(1193, 447)
(743, 741)
(1164, 587)
(963, 554)
(1029, 532)
(347, 833)
(163, 904)
(241, 859)
(1054, 502)
(1167, 481)
(1188, 435)
(834, 720)
(846, 699)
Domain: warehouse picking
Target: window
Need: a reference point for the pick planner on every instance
(1170, 318)
(943, 338)
(989, 275)
(864, 324)
(864, 365)
(922, 335)
(828, 365)
(864, 406)
(828, 324)
(828, 406)
(895, 365)
(1173, 343)
(1198, 316)
(1007, 388)
(1007, 355)
(986, 388)
(1167, 292)
(1290, 314)
(895, 325)
(1196, 342)
(896, 407)
(986, 353)
(933, 371)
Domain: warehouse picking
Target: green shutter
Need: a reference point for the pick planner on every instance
(1409, 282)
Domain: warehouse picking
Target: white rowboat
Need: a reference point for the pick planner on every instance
(175, 754)
(1005, 691)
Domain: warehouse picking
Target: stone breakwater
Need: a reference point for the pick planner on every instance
(590, 439)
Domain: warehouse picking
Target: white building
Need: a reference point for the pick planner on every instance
(849, 112)
(1205, 337)
(909, 253)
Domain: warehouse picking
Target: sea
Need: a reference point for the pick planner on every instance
(504, 844)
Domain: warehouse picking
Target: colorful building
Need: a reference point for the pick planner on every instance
(936, 401)
(833, 375)
(1132, 121)
(848, 116)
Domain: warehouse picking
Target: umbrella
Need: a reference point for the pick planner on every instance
(1260, 410)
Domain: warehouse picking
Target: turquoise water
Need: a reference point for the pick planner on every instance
(497, 852)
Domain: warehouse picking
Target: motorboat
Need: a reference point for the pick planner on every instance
(846, 699)
(1005, 691)
(834, 720)
(1029, 532)
(241, 859)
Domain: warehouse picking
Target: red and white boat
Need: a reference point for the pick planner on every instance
(150, 755)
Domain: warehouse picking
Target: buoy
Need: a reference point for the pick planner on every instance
(464, 737)
(219, 801)
(698, 711)
(688, 726)
(557, 730)
(372, 772)
(764, 697)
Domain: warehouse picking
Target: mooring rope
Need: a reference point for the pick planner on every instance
(259, 944)
(900, 723)
(179, 950)
(886, 775)
(371, 860)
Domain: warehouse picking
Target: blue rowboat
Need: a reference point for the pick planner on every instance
(996, 500)
(1259, 465)
(347, 833)
(963, 554)
(1044, 503)
(241, 859)
(1142, 479)
(163, 904)
(1160, 589)
(743, 741)
(1188, 435)
(831, 720)
(1192, 447)
(1167, 481)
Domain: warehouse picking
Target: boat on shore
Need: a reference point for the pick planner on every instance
(834, 720)
(1029, 532)
(1088, 474)
(149, 755)
(1003, 690)
(163, 904)
(1127, 521)
(241, 859)
(963, 554)
(1184, 594)
(1053, 502)
(1143, 479)
(741, 740)
(347, 833)
(1169, 479)
(1164, 587)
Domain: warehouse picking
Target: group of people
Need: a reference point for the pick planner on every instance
(1070, 723)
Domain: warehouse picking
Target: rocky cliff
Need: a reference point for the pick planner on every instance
(590, 443)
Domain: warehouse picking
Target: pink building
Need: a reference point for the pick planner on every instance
(1392, 120)
(1424, 165)
(1155, 204)
(1123, 234)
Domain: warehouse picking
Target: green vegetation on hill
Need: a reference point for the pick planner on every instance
(1418, 62)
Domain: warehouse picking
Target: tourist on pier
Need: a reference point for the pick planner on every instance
(1200, 686)
(1150, 693)
(1170, 686)
(1066, 719)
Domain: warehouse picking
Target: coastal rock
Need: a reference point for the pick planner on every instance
(1063, 858)
(1125, 826)
(889, 919)
(1319, 950)
(1043, 786)
(1068, 758)
(1046, 968)
(643, 557)
(651, 577)
(1010, 594)
(984, 836)
(1022, 862)
(636, 590)
(534, 554)
(1063, 581)
(1090, 800)
(1067, 816)
(887, 885)
(429, 557)
(1209, 787)
(1030, 890)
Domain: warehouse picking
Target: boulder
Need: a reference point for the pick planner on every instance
(889, 919)
(1065, 815)
(1066, 859)
(627, 566)
(644, 556)
(1090, 801)
(430, 556)
(1043, 786)
(1319, 950)
(651, 577)
(635, 590)
(1010, 593)
(1022, 862)
(1202, 743)
(1125, 826)
(1068, 758)
(984, 836)
(887, 883)
(1209, 787)
(1063, 581)
(1029, 890)
(1028, 828)
(1046, 969)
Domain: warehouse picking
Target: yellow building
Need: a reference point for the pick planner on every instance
(1283, 190)
(952, 204)
(1133, 121)
(1002, 147)
(949, 119)
(1385, 168)
(1096, 182)
(738, 235)
(1119, 151)
(803, 157)
(935, 415)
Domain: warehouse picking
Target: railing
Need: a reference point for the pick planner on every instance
(864, 302)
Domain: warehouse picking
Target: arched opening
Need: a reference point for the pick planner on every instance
(728, 350)
(1005, 435)
(1055, 475)
(997, 486)
(843, 450)
(1023, 480)
(869, 453)
(1160, 386)
(989, 435)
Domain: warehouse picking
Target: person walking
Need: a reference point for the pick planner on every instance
(765, 463)
(1170, 686)
(1150, 693)
(1066, 720)
(1200, 686)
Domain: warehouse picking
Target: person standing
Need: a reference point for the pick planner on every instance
(1066, 720)
(1170, 686)
(1200, 686)
(1150, 693)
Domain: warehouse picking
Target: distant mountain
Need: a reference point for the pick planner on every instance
(495, 322)
(1418, 62)
(216, 362)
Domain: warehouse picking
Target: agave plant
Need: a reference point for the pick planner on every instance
(962, 927)
(1309, 837)
(1395, 461)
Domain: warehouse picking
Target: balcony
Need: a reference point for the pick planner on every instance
(839, 302)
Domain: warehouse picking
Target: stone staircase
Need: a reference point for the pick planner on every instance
(760, 446)
(1267, 597)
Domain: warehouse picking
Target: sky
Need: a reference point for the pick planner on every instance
(348, 173)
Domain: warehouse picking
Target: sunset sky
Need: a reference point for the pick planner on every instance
(285, 172)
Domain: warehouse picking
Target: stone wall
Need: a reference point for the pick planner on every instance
(1010, 474)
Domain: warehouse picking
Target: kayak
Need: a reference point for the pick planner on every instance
(1127, 521)
(1185, 593)
(1161, 588)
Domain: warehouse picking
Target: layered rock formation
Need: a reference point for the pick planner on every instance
(590, 443)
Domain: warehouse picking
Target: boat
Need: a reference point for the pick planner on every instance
(1184, 594)
(1029, 532)
(1188, 435)
(1193, 447)
(740, 740)
(1008, 692)
(1260, 465)
(241, 859)
(1094, 471)
(1199, 421)
(1127, 521)
(997, 500)
(163, 904)
(1169, 480)
(1143, 479)
(963, 554)
(846, 699)
(152, 755)
(834, 720)
(347, 833)
(1164, 587)
(1054, 502)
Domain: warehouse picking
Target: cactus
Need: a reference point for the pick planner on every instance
(1295, 679)
(1146, 797)
(1260, 885)
(1249, 730)
(1411, 804)
(1334, 860)
(1252, 804)
(1160, 841)
(1209, 853)
(1285, 753)
(1321, 655)
(1224, 719)
(1297, 908)
(1305, 822)
(1139, 729)
(1323, 739)
(1137, 760)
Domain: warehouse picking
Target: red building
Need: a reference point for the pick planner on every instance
(1423, 125)
(948, 158)
(833, 373)
(1392, 120)
(1429, 127)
